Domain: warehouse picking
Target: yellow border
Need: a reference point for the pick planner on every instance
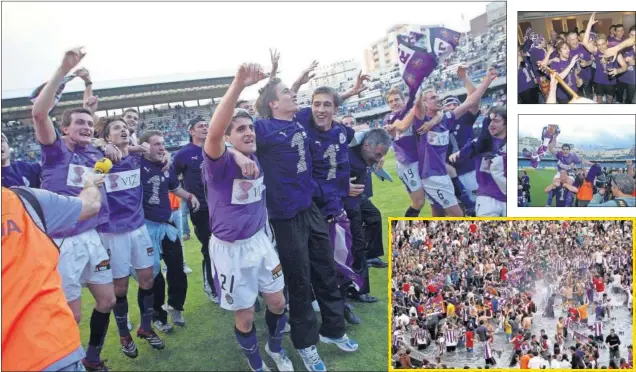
(390, 276)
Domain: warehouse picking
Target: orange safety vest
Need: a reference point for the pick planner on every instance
(38, 327)
(175, 201)
(585, 191)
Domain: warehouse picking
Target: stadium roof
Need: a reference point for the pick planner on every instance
(127, 93)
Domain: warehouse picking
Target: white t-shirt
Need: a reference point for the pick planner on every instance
(555, 364)
(404, 320)
(598, 257)
(537, 363)
(616, 280)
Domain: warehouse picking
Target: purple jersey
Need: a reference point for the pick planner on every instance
(283, 149)
(525, 78)
(405, 146)
(433, 146)
(238, 203)
(584, 55)
(156, 185)
(629, 76)
(492, 172)
(566, 162)
(123, 187)
(570, 79)
(602, 66)
(21, 173)
(188, 162)
(361, 173)
(460, 135)
(563, 196)
(329, 162)
(64, 172)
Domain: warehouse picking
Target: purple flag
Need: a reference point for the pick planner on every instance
(58, 94)
(420, 53)
(340, 234)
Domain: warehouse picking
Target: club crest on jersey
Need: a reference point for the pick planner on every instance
(413, 183)
(229, 299)
(343, 138)
(167, 174)
(277, 272)
(150, 252)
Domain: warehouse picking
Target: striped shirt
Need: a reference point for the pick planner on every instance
(487, 350)
(451, 339)
(598, 329)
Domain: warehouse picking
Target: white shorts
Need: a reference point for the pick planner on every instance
(440, 191)
(83, 259)
(485, 206)
(243, 268)
(409, 174)
(469, 181)
(598, 296)
(132, 248)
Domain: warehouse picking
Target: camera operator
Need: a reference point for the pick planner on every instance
(621, 188)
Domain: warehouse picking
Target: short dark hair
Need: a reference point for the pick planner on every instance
(377, 136)
(194, 121)
(502, 111)
(104, 124)
(150, 133)
(66, 116)
(620, 25)
(612, 26)
(130, 110)
(573, 32)
(266, 95)
(330, 91)
(240, 102)
(238, 113)
(566, 145)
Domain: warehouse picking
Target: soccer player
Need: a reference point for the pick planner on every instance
(564, 66)
(566, 160)
(584, 63)
(433, 146)
(606, 70)
(126, 238)
(164, 234)
(460, 135)
(627, 80)
(331, 171)
(565, 191)
(242, 245)
(188, 162)
(18, 173)
(66, 161)
(405, 148)
(305, 251)
(526, 81)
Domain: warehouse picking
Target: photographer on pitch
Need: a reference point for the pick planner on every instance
(619, 188)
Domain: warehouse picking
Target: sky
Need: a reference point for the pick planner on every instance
(614, 131)
(136, 40)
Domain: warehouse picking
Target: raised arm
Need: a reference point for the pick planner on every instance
(563, 74)
(90, 102)
(304, 77)
(613, 51)
(474, 98)
(586, 38)
(247, 74)
(44, 129)
(552, 93)
(274, 56)
(358, 88)
(468, 84)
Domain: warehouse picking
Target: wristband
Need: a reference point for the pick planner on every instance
(87, 83)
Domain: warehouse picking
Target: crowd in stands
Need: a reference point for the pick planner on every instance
(478, 52)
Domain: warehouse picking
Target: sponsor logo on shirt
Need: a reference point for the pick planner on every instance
(150, 251)
(343, 138)
(229, 299)
(122, 180)
(246, 191)
(76, 175)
